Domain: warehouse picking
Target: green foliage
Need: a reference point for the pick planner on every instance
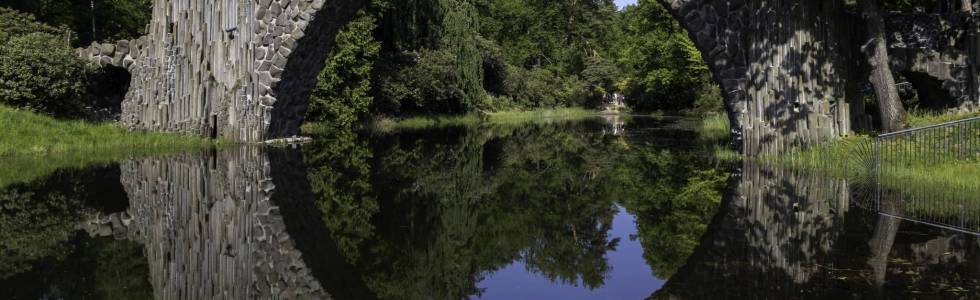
(557, 35)
(342, 94)
(38, 69)
(42, 245)
(426, 87)
(664, 69)
(463, 56)
(541, 88)
(114, 19)
(920, 118)
(340, 177)
(14, 23)
(460, 40)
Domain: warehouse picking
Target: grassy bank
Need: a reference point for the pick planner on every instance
(933, 184)
(27, 134)
(33, 145)
(922, 118)
(504, 117)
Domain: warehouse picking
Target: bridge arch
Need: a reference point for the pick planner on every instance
(243, 69)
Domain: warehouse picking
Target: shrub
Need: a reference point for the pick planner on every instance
(40, 72)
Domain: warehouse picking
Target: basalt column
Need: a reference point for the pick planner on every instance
(782, 65)
(238, 69)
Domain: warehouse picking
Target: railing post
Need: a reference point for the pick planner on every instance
(962, 142)
(878, 173)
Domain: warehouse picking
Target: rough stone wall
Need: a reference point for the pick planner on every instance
(210, 229)
(238, 69)
(941, 46)
(782, 66)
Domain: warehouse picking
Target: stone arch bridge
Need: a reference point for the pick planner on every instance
(243, 69)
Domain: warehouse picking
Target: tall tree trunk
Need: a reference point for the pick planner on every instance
(892, 113)
(966, 6)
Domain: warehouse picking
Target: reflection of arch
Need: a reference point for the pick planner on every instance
(770, 228)
(783, 234)
(246, 68)
(211, 227)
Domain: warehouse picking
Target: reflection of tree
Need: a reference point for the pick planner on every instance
(101, 268)
(34, 225)
(43, 255)
(37, 219)
(339, 171)
(674, 196)
(443, 211)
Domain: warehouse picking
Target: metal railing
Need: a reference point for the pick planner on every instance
(921, 175)
(940, 143)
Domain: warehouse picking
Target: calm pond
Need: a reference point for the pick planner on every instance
(596, 209)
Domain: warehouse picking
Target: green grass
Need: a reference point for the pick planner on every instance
(496, 118)
(715, 127)
(933, 174)
(924, 118)
(939, 187)
(714, 131)
(33, 145)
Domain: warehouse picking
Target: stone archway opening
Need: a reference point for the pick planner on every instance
(931, 94)
(107, 89)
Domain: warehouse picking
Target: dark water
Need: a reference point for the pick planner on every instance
(587, 210)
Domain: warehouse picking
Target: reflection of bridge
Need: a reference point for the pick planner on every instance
(210, 227)
(783, 234)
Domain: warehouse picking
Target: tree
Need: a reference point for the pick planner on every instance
(661, 66)
(113, 19)
(343, 91)
(893, 116)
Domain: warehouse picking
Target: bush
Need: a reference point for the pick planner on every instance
(40, 72)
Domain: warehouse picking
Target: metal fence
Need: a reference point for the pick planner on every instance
(935, 144)
(925, 174)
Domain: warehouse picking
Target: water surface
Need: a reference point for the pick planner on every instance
(597, 209)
